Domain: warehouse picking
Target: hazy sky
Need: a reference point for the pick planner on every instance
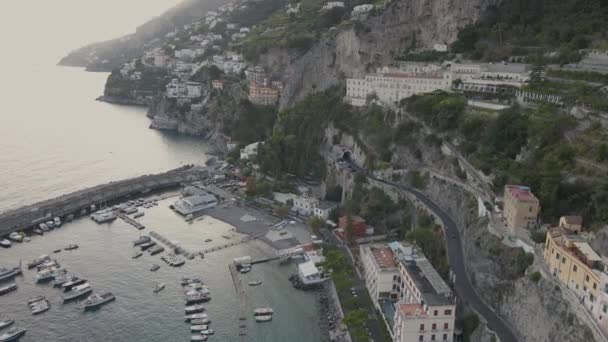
(42, 31)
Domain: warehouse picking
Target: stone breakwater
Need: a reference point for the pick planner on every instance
(75, 202)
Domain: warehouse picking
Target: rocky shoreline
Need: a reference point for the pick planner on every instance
(123, 101)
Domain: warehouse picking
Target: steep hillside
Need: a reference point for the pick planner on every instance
(107, 55)
(354, 47)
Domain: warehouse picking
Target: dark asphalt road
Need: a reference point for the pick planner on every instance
(463, 286)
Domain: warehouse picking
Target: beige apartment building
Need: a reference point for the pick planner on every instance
(415, 302)
(521, 207)
(574, 263)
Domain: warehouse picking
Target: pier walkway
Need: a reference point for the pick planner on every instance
(242, 296)
(76, 202)
(174, 246)
(131, 221)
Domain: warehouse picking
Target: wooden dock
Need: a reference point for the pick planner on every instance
(131, 221)
(242, 296)
(177, 248)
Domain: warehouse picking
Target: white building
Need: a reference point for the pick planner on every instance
(195, 203)
(244, 30)
(323, 209)
(291, 9)
(390, 85)
(185, 54)
(232, 26)
(250, 151)
(380, 272)
(309, 274)
(177, 89)
(416, 304)
(440, 47)
(194, 89)
(304, 205)
(333, 4)
(160, 60)
(362, 10)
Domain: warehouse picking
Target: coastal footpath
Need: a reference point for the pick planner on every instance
(82, 200)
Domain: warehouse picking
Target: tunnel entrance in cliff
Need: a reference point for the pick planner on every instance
(347, 156)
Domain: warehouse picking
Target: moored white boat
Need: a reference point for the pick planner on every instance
(263, 318)
(263, 311)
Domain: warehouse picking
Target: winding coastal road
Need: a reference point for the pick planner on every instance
(463, 286)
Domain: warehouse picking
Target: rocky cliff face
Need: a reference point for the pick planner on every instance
(354, 48)
(539, 312)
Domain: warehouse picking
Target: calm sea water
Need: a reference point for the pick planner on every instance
(54, 139)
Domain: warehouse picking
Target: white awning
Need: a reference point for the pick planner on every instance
(587, 251)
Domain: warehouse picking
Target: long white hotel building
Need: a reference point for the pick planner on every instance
(391, 84)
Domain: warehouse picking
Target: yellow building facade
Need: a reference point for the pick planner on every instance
(573, 262)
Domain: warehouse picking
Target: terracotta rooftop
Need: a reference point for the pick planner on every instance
(384, 256)
(412, 310)
(522, 193)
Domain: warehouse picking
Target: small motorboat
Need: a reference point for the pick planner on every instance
(263, 318)
(40, 307)
(5, 323)
(192, 309)
(154, 268)
(5, 243)
(72, 283)
(245, 269)
(71, 247)
(137, 255)
(8, 288)
(33, 300)
(199, 321)
(13, 334)
(159, 287)
(196, 316)
(57, 251)
(97, 300)
(254, 283)
(207, 332)
(208, 240)
(263, 311)
(198, 338)
(27, 239)
(199, 327)
(37, 231)
(17, 237)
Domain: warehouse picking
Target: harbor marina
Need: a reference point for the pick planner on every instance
(104, 258)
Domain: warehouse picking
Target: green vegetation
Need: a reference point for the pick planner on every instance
(439, 110)
(588, 76)
(539, 236)
(530, 27)
(470, 323)
(429, 237)
(293, 147)
(522, 261)
(252, 123)
(153, 80)
(424, 56)
(275, 28)
(316, 223)
(535, 277)
(258, 187)
(355, 320)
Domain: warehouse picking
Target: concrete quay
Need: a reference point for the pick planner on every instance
(100, 195)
